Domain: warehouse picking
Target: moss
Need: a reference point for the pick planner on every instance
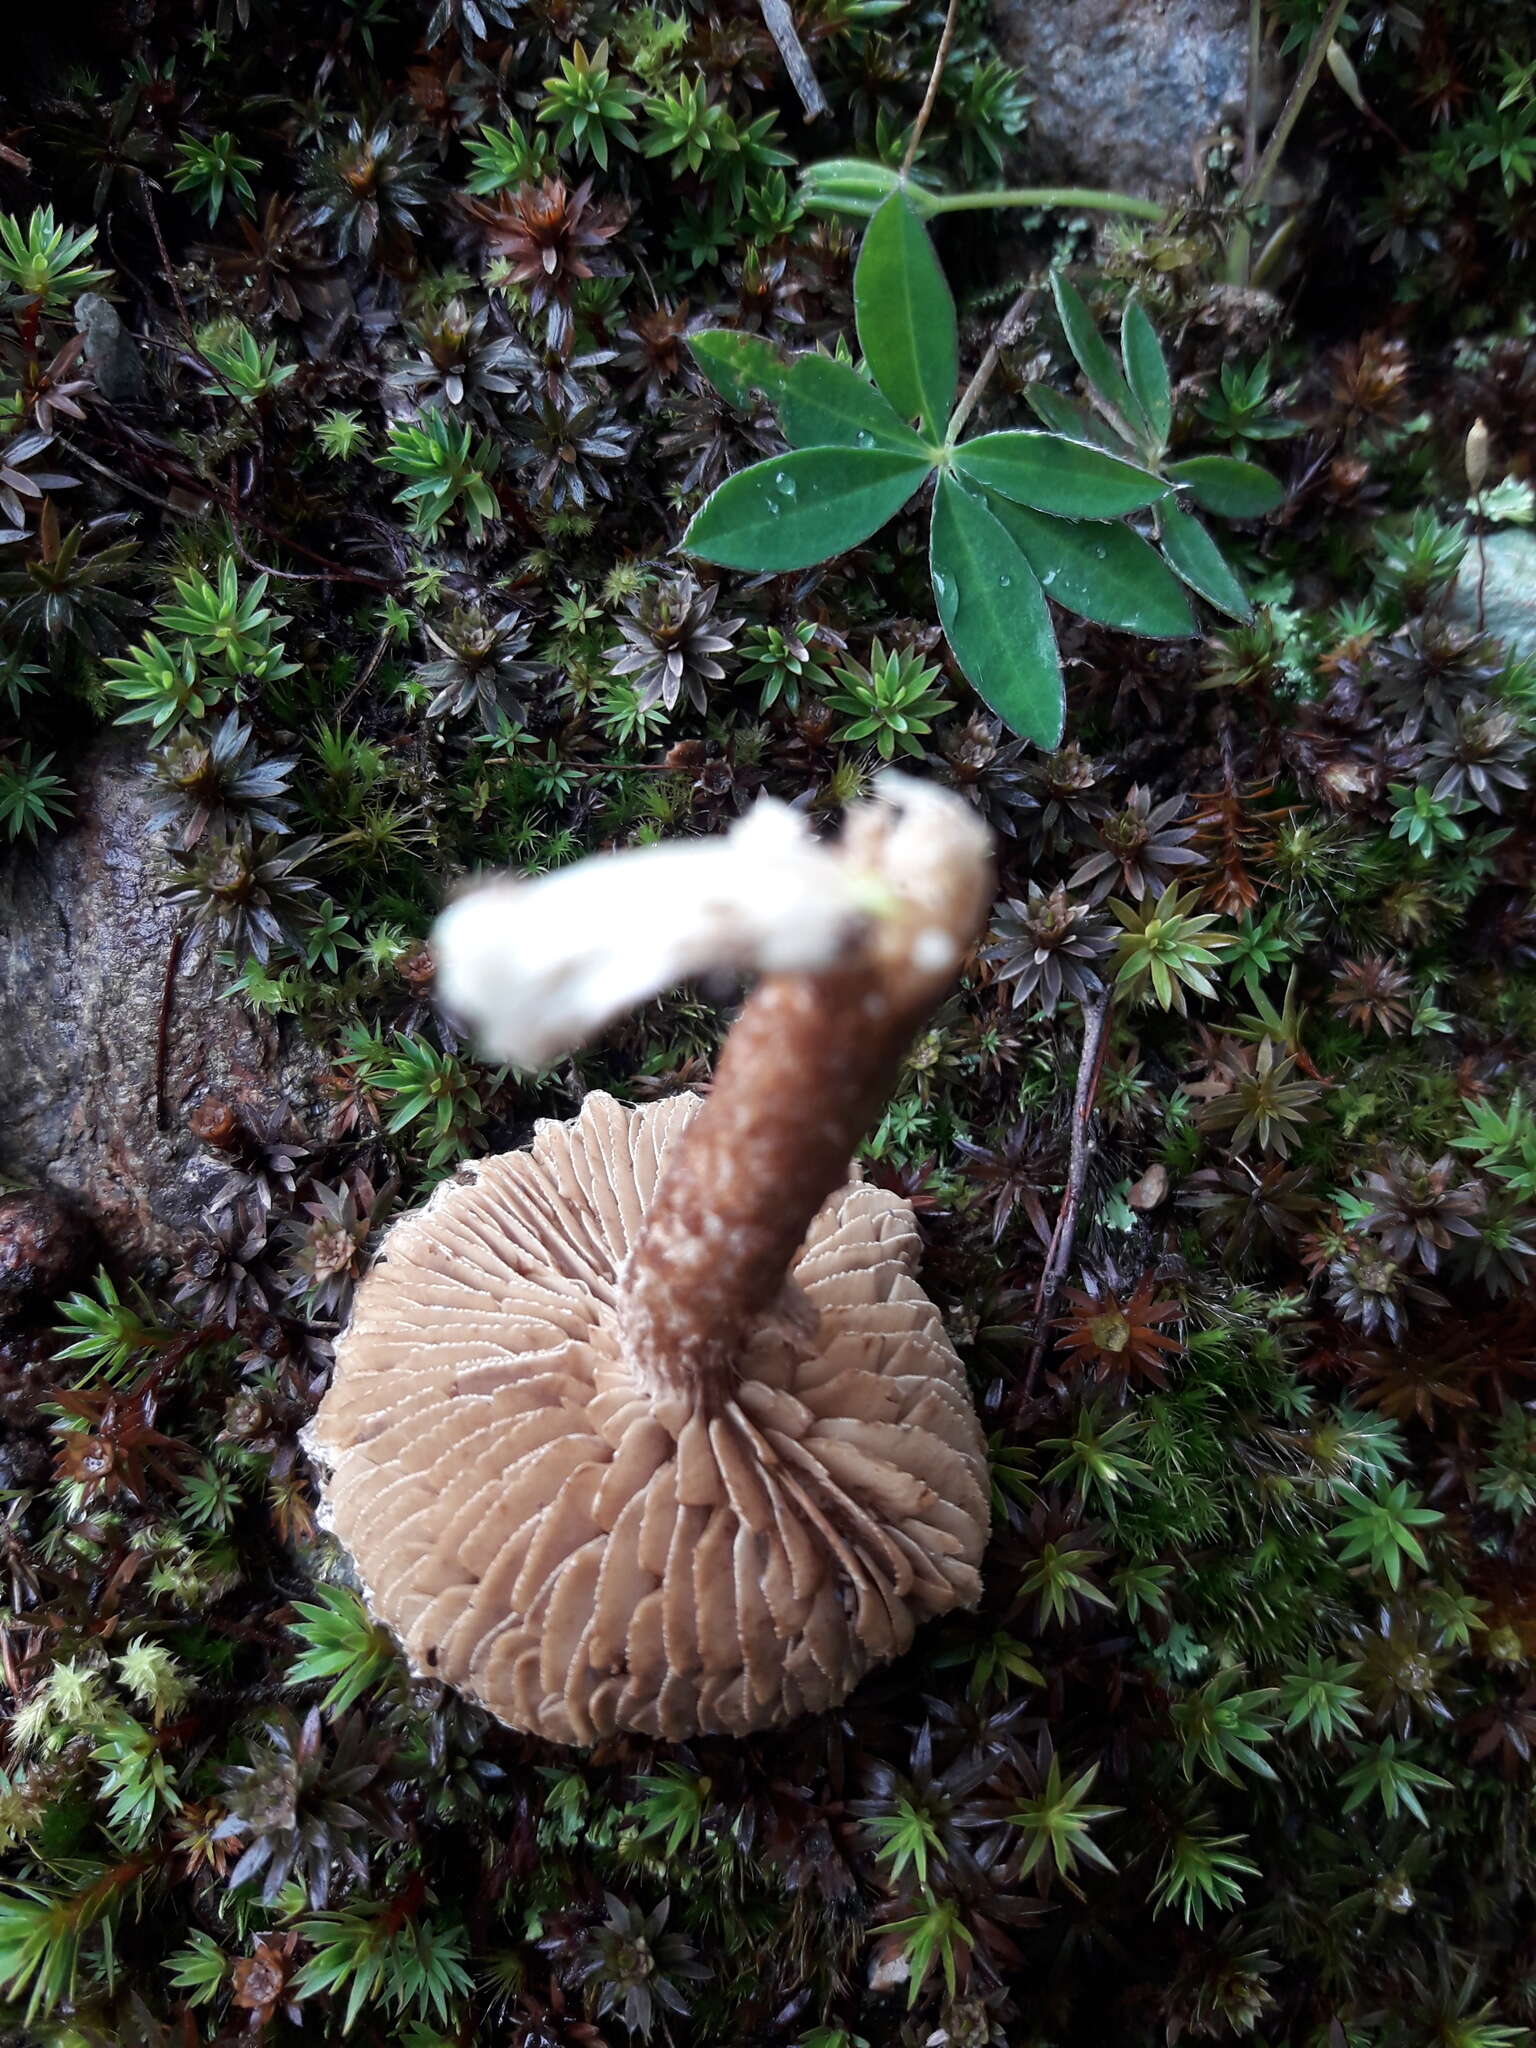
(1239, 1741)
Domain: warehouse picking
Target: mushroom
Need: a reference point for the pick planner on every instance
(650, 1426)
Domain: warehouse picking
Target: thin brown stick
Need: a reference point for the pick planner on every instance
(780, 24)
(169, 270)
(365, 675)
(163, 1025)
(1006, 334)
(1058, 1257)
(124, 483)
(925, 111)
(331, 572)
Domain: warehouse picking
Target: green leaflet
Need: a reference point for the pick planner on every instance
(827, 404)
(1101, 572)
(1094, 357)
(739, 365)
(820, 401)
(905, 316)
(1054, 475)
(1228, 487)
(1146, 370)
(994, 615)
(800, 508)
(1189, 550)
(1065, 416)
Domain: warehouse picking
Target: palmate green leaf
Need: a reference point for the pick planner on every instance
(1052, 474)
(905, 316)
(1232, 489)
(1101, 571)
(803, 507)
(739, 365)
(1146, 370)
(995, 616)
(1191, 553)
(1094, 357)
(825, 403)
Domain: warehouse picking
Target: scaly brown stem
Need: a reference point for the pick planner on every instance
(803, 1076)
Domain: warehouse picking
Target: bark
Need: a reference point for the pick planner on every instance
(87, 938)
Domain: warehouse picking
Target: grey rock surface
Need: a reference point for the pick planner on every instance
(82, 971)
(1125, 91)
(109, 349)
(1507, 572)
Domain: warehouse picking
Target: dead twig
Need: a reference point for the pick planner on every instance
(173, 472)
(169, 271)
(1058, 1257)
(365, 674)
(780, 24)
(925, 111)
(124, 483)
(1007, 333)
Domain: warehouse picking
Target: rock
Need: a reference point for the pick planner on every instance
(23, 1458)
(109, 349)
(1507, 571)
(81, 979)
(46, 1246)
(30, 1369)
(1125, 91)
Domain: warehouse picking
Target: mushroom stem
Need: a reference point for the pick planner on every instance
(801, 1078)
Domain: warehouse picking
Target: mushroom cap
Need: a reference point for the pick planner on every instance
(581, 1554)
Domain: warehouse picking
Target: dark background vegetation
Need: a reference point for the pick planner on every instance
(1239, 1743)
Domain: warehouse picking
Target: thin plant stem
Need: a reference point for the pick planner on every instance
(366, 676)
(169, 269)
(925, 111)
(1006, 333)
(1082, 197)
(1090, 1071)
(1251, 96)
(1256, 186)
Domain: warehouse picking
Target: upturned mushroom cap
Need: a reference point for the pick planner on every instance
(650, 1427)
(583, 1553)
